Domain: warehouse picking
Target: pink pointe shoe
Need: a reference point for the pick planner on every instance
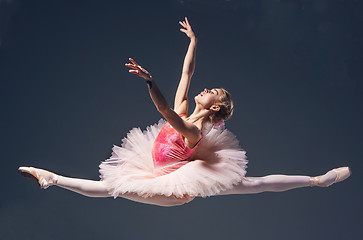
(341, 173)
(43, 177)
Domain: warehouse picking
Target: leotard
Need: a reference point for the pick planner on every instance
(170, 151)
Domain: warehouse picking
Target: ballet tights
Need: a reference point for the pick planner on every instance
(91, 188)
(272, 183)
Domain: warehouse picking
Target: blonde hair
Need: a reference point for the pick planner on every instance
(225, 104)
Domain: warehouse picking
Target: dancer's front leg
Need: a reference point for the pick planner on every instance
(84, 187)
(91, 188)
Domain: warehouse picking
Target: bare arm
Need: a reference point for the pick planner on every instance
(188, 130)
(181, 97)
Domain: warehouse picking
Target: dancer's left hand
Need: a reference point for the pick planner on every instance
(138, 70)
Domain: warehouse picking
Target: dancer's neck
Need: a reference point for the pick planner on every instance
(199, 117)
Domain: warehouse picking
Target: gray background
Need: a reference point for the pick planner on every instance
(293, 67)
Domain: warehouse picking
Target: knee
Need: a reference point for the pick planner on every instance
(256, 183)
(183, 200)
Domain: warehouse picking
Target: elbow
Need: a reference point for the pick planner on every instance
(162, 108)
(188, 73)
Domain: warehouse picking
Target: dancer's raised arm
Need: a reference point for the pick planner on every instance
(188, 130)
(181, 97)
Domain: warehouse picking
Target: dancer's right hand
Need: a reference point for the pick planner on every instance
(188, 29)
(138, 70)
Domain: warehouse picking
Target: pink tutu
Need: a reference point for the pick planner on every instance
(217, 164)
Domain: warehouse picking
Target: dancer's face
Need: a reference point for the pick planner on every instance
(208, 98)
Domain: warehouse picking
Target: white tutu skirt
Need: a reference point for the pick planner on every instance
(218, 164)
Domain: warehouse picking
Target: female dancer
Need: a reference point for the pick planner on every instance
(188, 156)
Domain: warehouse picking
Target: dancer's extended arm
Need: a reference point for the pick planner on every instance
(188, 130)
(181, 97)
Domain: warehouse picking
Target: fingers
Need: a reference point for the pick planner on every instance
(134, 71)
(137, 69)
(131, 66)
(133, 61)
(183, 24)
(186, 20)
(187, 28)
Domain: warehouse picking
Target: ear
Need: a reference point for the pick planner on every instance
(215, 108)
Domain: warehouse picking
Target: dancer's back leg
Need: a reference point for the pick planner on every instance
(270, 183)
(279, 183)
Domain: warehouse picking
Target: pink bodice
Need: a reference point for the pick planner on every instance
(170, 151)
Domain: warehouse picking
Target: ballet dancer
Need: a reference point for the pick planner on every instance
(174, 161)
